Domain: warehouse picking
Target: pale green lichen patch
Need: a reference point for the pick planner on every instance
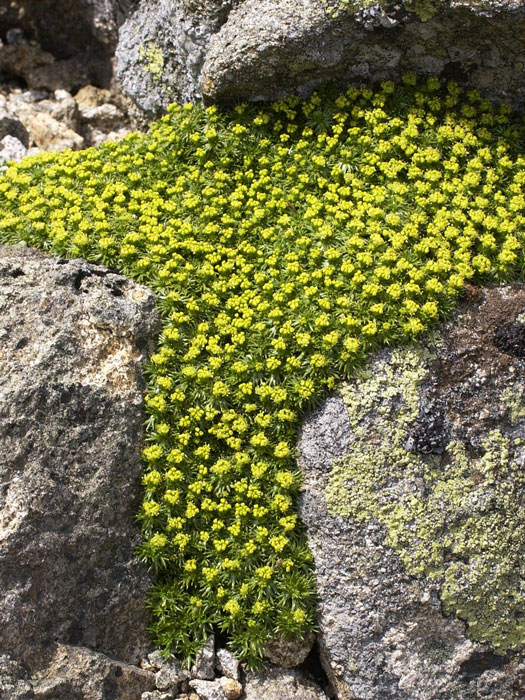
(153, 59)
(456, 517)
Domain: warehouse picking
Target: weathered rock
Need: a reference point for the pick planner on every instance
(413, 489)
(66, 28)
(161, 50)
(11, 126)
(20, 59)
(204, 666)
(73, 339)
(227, 664)
(268, 49)
(13, 681)
(285, 684)
(157, 695)
(91, 96)
(62, 108)
(288, 654)
(49, 134)
(208, 690)
(68, 74)
(11, 149)
(231, 688)
(170, 672)
(76, 673)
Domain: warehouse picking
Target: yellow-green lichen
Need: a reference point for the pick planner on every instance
(455, 517)
(513, 399)
(153, 59)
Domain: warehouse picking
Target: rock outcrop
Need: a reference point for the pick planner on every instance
(73, 341)
(161, 49)
(67, 28)
(413, 504)
(224, 51)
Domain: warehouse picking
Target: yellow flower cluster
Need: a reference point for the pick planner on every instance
(284, 243)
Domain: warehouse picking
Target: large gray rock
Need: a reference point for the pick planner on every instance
(413, 505)
(73, 341)
(270, 48)
(161, 49)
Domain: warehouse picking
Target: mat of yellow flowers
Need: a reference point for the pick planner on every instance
(284, 242)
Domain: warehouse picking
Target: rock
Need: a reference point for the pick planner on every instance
(11, 149)
(19, 60)
(91, 96)
(161, 49)
(170, 675)
(267, 49)
(285, 684)
(227, 664)
(13, 681)
(73, 340)
(48, 134)
(68, 74)
(288, 654)
(204, 666)
(412, 490)
(232, 689)
(63, 109)
(64, 27)
(156, 695)
(75, 672)
(13, 127)
(102, 116)
(208, 690)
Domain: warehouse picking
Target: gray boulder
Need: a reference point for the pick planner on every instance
(413, 504)
(269, 49)
(161, 49)
(73, 341)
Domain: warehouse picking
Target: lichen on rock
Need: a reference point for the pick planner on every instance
(413, 495)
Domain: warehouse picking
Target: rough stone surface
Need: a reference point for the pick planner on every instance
(285, 684)
(269, 49)
(288, 653)
(76, 673)
(66, 28)
(11, 149)
(50, 134)
(10, 126)
(231, 688)
(161, 50)
(204, 666)
(404, 475)
(208, 690)
(73, 339)
(170, 673)
(227, 664)
(13, 681)
(54, 120)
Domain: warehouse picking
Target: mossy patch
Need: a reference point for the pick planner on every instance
(456, 517)
(153, 59)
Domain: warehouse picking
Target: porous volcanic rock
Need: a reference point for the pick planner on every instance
(413, 504)
(73, 341)
(268, 49)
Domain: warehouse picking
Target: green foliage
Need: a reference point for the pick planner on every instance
(284, 243)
